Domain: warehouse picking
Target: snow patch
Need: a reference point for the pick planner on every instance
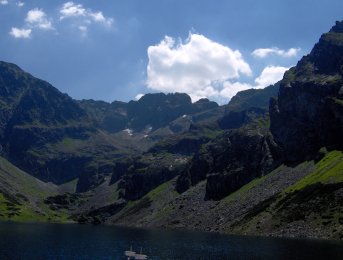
(129, 131)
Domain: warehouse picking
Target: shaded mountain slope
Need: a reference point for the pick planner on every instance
(258, 98)
(22, 196)
(55, 138)
(150, 112)
(204, 150)
(304, 200)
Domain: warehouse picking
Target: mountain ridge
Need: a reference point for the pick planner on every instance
(268, 163)
(38, 123)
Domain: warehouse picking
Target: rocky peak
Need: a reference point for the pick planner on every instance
(13, 81)
(203, 104)
(304, 118)
(160, 98)
(338, 27)
(159, 109)
(327, 54)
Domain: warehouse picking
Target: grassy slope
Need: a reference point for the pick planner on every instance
(22, 196)
(149, 209)
(287, 202)
(306, 200)
(328, 170)
(311, 207)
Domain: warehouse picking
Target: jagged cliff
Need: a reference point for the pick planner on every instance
(307, 114)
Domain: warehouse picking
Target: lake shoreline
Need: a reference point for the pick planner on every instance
(55, 241)
(152, 228)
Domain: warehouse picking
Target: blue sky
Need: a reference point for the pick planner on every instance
(117, 50)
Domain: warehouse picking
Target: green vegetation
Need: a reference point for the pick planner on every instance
(24, 182)
(242, 192)
(68, 186)
(289, 76)
(334, 38)
(338, 101)
(263, 122)
(156, 193)
(26, 212)
(153, 205)
(69, 142)
(22, 196)
(328, 170)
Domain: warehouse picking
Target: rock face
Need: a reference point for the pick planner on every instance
(111, 117)
(235, 119)
(27, 100)
(305, 117)
(33, 113)
(148, 172)
(232, 160)
(156, 110)
(306, 114)
(150, 112)
(245, 150)
(251, 155)
(253, 98)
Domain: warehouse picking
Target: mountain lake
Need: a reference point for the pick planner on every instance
(72, 241)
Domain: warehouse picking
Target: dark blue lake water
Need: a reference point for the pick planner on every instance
(56, 241)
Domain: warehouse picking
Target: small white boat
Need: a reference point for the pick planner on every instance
(132, 255)
(140, 257)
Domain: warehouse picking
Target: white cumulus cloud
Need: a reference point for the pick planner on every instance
(37, 18)
(20, 4)
(198, 66)
(20, 33)
(139, 96)
(231, 88)
(264, 52)
(73, 10)
(70, 9)
(270, 75)
(3, 2)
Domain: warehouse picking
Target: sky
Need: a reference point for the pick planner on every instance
(121, 49)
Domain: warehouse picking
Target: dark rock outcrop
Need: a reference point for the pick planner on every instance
(148, 173)
(111, 117)
(203, 105)
(246, 151)
(100, 215)
(253, 98)
(306, 116)
(120, 168)
(150, 111)
(235, 119)
(232, 160)
(157, 110)
(35, 114)
(249, 155)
